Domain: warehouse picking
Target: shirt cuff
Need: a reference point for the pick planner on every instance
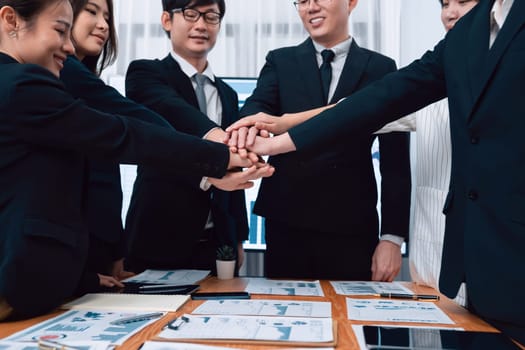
(393, 238)
(205, 184)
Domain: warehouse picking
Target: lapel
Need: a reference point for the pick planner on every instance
(513, 23)
(179, 81)
(355, 65)
(478, 45)
(309, 72)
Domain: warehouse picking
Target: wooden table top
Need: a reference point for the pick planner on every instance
(345, 335)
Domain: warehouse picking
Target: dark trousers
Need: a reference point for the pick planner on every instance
(293, 252)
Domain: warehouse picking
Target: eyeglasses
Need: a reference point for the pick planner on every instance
(192, 15)
(302, 5)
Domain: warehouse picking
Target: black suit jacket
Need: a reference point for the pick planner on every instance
(167, 212)
(45, 137)
(104, 195)
(485, 208)
(334, 191)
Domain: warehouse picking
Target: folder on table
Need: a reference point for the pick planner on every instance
(131, 302)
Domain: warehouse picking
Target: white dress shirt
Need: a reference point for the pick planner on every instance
(433, 164)
(341, 52)
(213, 106)
(498, 15)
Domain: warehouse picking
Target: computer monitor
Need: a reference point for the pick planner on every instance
(256, 241)
(243, 86)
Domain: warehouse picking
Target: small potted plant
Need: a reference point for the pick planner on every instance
(225, 262)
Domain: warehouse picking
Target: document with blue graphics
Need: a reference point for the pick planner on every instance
(175, 277)
(98, 345)
(259, 307)
(368, 288)
(157, 345)
(284, 287)
(250, 329)
(381, 310)
(84, 326)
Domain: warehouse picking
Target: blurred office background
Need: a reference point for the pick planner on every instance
(401, 29)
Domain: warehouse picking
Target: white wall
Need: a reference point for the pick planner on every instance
(421, 28)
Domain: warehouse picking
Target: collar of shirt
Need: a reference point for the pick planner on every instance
(189, 70)
(505, 9)
(340, 50)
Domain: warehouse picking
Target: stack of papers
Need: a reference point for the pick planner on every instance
(168, 277)
(256, 321)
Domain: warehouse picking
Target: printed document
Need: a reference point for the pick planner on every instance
(254, 328)
(368, 288)
(83, 326)
(283, 287)
(389, 310)
(259, 307)
(94, 345)
(169, 277)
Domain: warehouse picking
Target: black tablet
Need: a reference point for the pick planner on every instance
(394, 338)
(141, 288)
(220, 295)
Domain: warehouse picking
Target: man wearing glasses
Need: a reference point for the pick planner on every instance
(320, 210)
(175, 221)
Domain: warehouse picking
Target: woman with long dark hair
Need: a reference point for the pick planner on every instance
(46, 136)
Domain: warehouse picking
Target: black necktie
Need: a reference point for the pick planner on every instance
(326, 71)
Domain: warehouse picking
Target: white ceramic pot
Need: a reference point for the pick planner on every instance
(225, 269)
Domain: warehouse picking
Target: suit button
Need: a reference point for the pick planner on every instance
(472, 195)
(474, 140)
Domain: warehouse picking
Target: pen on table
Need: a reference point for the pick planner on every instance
(408, 296)
(137, 318)
(47, 344)
(163, 286)
(163, 291)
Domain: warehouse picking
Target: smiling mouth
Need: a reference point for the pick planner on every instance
(102, 38)
(60, 60)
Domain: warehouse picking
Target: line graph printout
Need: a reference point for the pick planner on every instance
(259, 307)
(368, 287)
(256, 328)
(284, 287)
(382, 310)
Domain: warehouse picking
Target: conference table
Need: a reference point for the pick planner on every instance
(345, 335)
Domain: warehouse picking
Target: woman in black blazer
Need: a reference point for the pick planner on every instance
(94, 38)
(46, 137)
